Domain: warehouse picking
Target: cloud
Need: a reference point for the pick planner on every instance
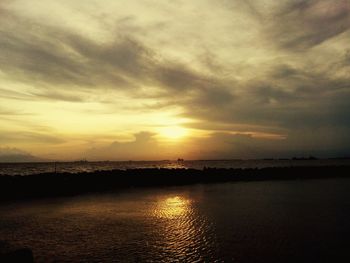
(286, 96)
(223, 145)
(8, 154)
(57, 59)
(301, 25)
(229, 145)
(217, 145)
(8, 112)
(346, 61)
(54, 95)
(143, 147)
(277, 69)
(51, 56)
(28, 137)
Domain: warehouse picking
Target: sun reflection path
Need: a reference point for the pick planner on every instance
(172, 207)
(182, 230)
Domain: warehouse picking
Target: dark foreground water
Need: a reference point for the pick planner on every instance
(277, 221)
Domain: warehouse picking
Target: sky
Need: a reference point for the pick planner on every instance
(150, 79)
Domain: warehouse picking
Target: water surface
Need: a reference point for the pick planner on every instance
(277, 221)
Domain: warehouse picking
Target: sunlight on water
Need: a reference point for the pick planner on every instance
(240, 222)
(172, 207)
(184, 232)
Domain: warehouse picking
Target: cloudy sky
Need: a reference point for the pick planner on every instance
(150, 79)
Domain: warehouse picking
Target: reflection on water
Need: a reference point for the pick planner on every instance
(173, 207)
(289, 221)
(141, 226)
(184, 232)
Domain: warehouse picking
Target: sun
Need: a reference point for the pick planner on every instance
(173, 132)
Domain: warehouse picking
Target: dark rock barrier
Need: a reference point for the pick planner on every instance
(9, 254)
(63, 184)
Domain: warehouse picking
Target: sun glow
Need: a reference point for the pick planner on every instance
(173, 132)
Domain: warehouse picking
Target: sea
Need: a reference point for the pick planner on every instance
(256, 221)
(263, 221)
(86, 166)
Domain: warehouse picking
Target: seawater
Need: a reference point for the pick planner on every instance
(75, 167)
(270, 221)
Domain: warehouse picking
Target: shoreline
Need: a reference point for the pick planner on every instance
(16, 187)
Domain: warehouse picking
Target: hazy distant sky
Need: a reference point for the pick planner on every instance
(156, 79)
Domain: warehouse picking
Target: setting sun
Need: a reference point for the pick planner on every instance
(173, 132)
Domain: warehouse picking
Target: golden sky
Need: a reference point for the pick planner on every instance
(199, 79)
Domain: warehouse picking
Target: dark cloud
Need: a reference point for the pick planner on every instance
(177, 77)
(29, 57)
(286, 98)
(284, 71)
(57, 59)
(37, 60)
(245, 146)
(303, 24)
(53, 56)
(236, 127)
(124, 54)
